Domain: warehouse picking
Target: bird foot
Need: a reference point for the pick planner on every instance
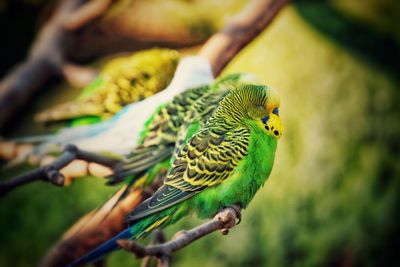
(228, 217)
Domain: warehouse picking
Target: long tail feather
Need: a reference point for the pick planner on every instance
(102, 250)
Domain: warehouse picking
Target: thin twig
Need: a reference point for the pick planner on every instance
(51, 172)
(223, 221)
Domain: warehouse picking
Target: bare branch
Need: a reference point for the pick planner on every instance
(58, 42)
(224, 220)
(87, 13)
(55, 43)
(44, 61)
(51, 173)
(223, 46)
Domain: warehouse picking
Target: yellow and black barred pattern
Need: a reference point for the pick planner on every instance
(160, 137)
(210, 156)
(212, 153)
(123, 81)
(142, 75)
(171, 125)
(166, 123)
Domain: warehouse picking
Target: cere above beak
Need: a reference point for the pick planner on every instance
(273, 125)
(273, 100)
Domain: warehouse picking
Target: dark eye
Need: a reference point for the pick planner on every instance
(276, 111)
(265, 119)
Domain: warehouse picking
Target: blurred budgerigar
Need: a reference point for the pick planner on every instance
(123, 80)
(220, 163)
(117, 135)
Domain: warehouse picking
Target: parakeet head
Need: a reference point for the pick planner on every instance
(265, 111)
(271, 121)
(257, 103)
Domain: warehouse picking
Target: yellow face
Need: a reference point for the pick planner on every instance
(272, 122)
(273, 125)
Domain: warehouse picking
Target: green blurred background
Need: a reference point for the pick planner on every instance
(332, 198)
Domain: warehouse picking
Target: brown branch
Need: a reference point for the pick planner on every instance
(51, 173)
(44, 61)
(87, 13)
(223, 46)
(224, 220)
(59, 42)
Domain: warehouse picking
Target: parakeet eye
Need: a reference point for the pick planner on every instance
(260, 108)
(265, 119)
(276, 111)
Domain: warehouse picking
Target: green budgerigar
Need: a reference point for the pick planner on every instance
(146, 165)
(170, 121)
(219, 164)
(122, 81)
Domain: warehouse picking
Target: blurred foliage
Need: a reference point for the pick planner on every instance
(332, 198)
(368, 41)
(383, 14)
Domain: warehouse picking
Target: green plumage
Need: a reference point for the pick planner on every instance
(168, 126)
(122, 81)
(224, 163)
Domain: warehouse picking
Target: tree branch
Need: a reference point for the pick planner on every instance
(224, 220)
(223, 46)
(45, 60)
(87, 13)
(51, 173)
(58, 42)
